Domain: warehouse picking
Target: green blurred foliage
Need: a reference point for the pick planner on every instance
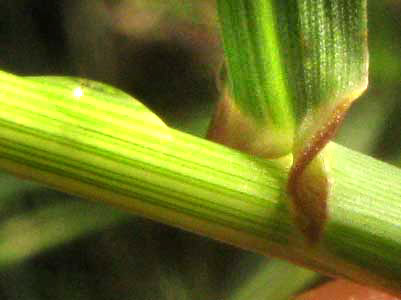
(374, 124)
(167, 53)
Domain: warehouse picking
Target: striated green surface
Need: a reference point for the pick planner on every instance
(292, 63)
(329, 57)
(102, 148)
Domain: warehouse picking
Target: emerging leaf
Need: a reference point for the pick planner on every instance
(257, 76)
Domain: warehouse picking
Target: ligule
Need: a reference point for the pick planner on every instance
(295, 67)
(334, 64)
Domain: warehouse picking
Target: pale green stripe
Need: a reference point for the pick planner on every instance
(158, 172)
(251, 40)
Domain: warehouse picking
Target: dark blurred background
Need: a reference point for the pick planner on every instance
(166, 53)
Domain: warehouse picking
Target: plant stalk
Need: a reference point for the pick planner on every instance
(101, 148)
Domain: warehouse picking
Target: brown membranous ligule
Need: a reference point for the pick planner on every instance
(308, 184)
(310, 194)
